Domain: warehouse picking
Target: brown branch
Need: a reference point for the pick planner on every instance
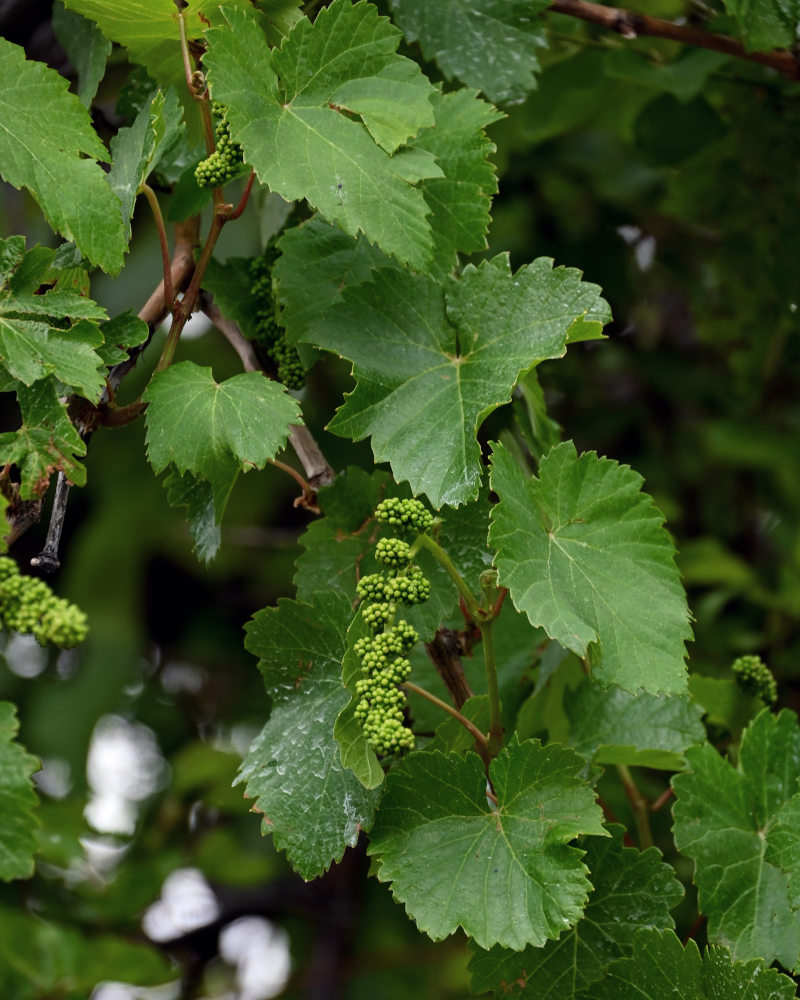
(187, 236)
(314, 463)
(631, 25)
(445, 651)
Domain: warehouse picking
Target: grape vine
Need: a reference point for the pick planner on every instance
(507, 677)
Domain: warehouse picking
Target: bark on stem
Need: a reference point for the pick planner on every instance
(630, 25)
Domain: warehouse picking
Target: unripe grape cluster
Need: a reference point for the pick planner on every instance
(404, 515)
(226, 160)
(28, 605)
(270, 337)
(384, 654)
(755, 677)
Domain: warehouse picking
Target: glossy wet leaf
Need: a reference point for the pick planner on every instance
(312, 806)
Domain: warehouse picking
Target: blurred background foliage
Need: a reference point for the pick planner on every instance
(669, 177)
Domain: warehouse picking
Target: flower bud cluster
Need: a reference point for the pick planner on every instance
(226, 160)
(755, 677)
(28, 605)
(269, 336)
(384, 654)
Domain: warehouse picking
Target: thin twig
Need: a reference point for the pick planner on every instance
(639, 805)
(472, 729)
(48, 560)
(245, 195)
(662, 800)
(184, 310)
(631, 25)
(149, 193)
(230, 330)
(308, 498)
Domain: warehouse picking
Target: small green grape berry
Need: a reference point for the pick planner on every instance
(377, 615)
(226, 160)
(388, 644)
(8, 568)
(372, 587)
(406, 635)
(407, 515)
(362, 646)
(373, 660)
(410, 588)
(393, 552)
(755, 677)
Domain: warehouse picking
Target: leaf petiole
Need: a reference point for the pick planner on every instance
(439, 554)
(481, 742)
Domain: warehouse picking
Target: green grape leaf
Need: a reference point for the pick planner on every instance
(46, 442)
(194, 422)
(461, 200)
(724, 701)
(32, 348)
(43, 132)
(448, 358)
(584, 554)
(149, 30)
(504, 873)
(284, 109)
(230, 284)
(766, 24)
(119, 333)
(205, 503)
(632, 890)
(319, 254)
(725, 820)
(86, 47)
(661, 969)
(17, 799)
(135, 151)
(312, 805)
(612, 726)
(489, 44)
